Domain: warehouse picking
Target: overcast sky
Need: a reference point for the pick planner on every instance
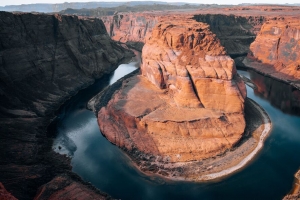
(18, 2)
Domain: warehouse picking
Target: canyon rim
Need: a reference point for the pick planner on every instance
(45, 59)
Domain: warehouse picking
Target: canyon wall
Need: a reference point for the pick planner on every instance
(44, 59)
(236, 33)
(129, 26)
(278, 45)
(189, 96)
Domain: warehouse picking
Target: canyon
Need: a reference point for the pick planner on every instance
(275, 50)
(190, 105)
(46, 59)
(261, 38)
(267, 34)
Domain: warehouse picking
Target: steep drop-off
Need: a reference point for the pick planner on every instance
(277, 47)
(236, 33)
(190, 101)
(44, 59)
(131, 27)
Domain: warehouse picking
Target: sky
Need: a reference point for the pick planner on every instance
(18, 2)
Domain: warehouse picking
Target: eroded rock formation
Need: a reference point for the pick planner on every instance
(131, 27)
(188, 103)
(44, 59)
(236, 33)
(278, 46)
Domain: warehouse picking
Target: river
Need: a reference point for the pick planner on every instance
(96, 160)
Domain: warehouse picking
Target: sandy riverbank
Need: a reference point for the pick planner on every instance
(257, 130)
(249, 157)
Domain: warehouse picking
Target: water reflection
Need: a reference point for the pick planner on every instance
(96, 160)
(74, 122)
(280, 95)
(122, 70)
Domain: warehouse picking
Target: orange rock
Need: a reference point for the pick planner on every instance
(4, 194)
(188, 103)
(278, 44)
(188, 59)
(130, 26)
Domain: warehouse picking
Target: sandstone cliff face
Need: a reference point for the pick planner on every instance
(236, 33)
(189, 59)
(188, 103)
(278, 45)
(126, 27)
(44, 59)
(50, 54)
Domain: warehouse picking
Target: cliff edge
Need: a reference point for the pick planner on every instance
(188, 104)
(44, 59)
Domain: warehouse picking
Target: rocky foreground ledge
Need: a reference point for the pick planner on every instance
(183, 118)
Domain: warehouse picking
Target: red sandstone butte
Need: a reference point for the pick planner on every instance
(278, 44)
(187, 105)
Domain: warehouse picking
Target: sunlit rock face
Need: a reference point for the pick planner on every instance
(278, 44)
(189, 60)
(187, 105)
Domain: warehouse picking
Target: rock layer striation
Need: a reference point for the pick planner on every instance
(277, 46)
(44, 59)
(187, 105)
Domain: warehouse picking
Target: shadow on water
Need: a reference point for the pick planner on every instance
(269, 176)
(279, 94)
